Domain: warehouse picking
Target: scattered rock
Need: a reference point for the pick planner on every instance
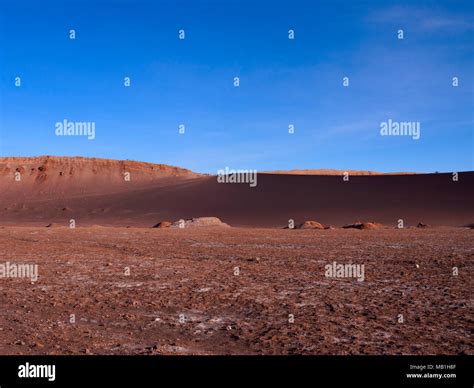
(152, 349)
(253, 259)
(310, 225)
(163, 224)
(54, 225)
(421, 225)
(199, 222)
(362, 225)
(330, 307)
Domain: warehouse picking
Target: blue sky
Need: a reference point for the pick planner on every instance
(282, 82)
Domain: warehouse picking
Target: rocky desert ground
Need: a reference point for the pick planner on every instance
(105, 290)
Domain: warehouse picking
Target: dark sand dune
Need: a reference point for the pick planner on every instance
(95, 193)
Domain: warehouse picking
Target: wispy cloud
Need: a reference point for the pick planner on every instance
(424, 19)
(457, 23)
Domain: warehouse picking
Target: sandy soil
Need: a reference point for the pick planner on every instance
(183, 296)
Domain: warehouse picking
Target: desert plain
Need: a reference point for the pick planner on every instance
(115, 284)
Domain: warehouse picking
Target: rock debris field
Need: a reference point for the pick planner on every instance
(116, 290)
